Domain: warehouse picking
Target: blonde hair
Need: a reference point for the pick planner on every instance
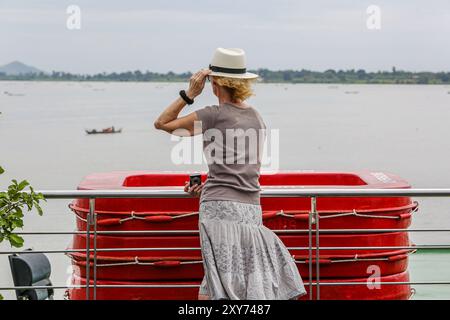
(239, 89)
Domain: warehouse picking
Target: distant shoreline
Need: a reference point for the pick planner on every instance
(259, 82)
(331, 77)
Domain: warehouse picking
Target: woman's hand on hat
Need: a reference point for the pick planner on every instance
(197, 83)
(195, 190)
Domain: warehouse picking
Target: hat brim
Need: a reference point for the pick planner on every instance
(247, 75)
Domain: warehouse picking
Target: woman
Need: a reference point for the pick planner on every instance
(242, 259)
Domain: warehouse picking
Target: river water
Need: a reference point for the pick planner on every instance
(402, 129)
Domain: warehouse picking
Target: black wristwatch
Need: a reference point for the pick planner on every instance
(186, 98)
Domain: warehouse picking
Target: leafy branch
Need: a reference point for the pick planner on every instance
(13, 202)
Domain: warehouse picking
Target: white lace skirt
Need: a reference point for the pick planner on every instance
(243, 259)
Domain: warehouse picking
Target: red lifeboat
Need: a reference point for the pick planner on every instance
(181, 266)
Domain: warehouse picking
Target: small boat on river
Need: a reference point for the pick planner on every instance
(106, 130)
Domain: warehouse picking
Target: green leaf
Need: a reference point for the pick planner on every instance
(19, 213)
(18, 223)
(39, 209)
(40, 196)
(15, 240)
(2, 170)
(23, 184)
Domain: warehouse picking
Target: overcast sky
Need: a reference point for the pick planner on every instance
(181, 35)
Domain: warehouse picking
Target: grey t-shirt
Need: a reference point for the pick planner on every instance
(233, 139)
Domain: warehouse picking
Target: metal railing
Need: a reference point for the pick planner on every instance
(282, 192)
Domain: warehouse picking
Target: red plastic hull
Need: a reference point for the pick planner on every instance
(338, 292)
(396, 262)
(177, 269)
(291, 241)
(134, 293)
(156, 214)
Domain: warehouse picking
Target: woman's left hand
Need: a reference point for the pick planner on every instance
(197, 83)
(195, 190)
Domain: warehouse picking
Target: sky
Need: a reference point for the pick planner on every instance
(180, 35)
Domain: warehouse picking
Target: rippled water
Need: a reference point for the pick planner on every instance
(399, 129)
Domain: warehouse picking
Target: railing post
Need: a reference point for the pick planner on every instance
(88, 247)
(95, 247)
(89, 222)
(315, 214)
(310, 223)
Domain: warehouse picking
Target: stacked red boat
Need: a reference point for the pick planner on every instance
(167, 265)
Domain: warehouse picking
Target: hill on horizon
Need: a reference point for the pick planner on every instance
(17, 68)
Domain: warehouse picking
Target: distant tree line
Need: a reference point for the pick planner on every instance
(122, 76)
(355, 76)
(282, 76)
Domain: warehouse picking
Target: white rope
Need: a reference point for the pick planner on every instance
(356, 258)
(137, 262)
(279, 213)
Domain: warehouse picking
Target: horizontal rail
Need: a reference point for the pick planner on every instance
(432, 247)
(150, 286)
(43, 287)
(265, 192)
(184, 232)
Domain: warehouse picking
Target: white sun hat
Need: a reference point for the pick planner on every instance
(230, 62)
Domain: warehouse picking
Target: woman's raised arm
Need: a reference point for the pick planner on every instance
(182, 126)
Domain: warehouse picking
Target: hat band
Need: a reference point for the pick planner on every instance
(227, 70)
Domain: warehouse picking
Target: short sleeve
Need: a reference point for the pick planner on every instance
(207, 116)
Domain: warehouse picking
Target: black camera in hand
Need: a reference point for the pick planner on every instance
(195, 179)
